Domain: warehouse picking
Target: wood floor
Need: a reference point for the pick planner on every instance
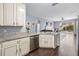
(67, 47)
(44, 52)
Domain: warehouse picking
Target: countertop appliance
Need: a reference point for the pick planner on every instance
(34, 42)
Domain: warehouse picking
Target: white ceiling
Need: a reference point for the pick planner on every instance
(47, 11)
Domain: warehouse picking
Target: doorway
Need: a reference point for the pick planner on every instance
(68, 39)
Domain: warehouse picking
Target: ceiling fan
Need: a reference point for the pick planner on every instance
(53, 4)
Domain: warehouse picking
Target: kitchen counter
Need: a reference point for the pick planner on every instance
(49, 33)
(13, 36)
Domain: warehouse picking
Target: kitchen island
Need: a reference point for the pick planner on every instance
(49, 40)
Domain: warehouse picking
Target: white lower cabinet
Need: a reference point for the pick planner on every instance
(24, 45)
(0, 50)
(17, 47)
(46, 41)
(10, 48)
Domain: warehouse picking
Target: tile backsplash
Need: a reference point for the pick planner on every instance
(10, 29)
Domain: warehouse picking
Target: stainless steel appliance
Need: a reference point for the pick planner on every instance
(34, 42)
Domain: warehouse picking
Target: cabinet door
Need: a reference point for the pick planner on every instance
(8, 14)
(24, 49)
(10, 51)
(20, 14)
(43, 42)
(1, 14)
(51, 41)
(14, 15)
(24, 46)
(57, 39)
(9, 48)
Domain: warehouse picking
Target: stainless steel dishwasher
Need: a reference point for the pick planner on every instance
(34, 42)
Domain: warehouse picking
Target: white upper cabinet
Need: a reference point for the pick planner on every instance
(8, 14)
(12, 14)
(20, 14)
(1, 14)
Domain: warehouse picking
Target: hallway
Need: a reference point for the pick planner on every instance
(67, 44)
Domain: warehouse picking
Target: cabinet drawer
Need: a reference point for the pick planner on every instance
(9, 43)
(42, 37)
(45, 36)
(24, 40)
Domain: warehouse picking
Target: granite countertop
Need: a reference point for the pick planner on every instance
(13, 36)
(49, 33)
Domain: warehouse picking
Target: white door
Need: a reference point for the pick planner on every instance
(20, 14)
(67, 39)
(1, 14)
(8, 14)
